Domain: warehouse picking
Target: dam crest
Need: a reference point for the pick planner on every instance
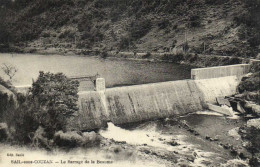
(155, 100)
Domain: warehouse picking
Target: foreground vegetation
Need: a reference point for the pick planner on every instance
(40, 117)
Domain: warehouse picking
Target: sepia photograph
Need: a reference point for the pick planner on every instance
(129, 83)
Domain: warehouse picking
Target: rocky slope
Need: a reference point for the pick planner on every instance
(205, 26)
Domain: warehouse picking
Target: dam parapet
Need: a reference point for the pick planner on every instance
(220, 71)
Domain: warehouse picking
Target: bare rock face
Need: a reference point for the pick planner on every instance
(4, 133)
(223, 101)
(236, 162)
(256, 109)
(234, 133)
(253, 108)
(254, 123)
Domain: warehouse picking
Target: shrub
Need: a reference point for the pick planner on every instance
(3, 104)
(185, 47)
(195, 21)
(214, 2)
(235, 60)
(251, 134)
(173, 58)
(163, 24)
(46, 34)
(125, 42)
(5, 34)
(7, 104)
(19, 115)
(4, 134)
(39, 139)
(24, 121)
(7, 84)
(192, 57)
(115, 15)
(147, 55)
(140, 28)
(255, 66)
(76, 139)
(67, 34)
(251, 83)
(104, 55)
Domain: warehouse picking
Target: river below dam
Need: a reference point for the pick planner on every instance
(116, 72)
(167, 142)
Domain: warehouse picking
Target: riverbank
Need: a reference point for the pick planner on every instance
(198, 60)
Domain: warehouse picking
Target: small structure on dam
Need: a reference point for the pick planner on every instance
(100, 84)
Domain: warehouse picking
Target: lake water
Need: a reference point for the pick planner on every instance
(115, 71)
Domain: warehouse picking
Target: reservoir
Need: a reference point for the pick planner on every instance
(117, 72)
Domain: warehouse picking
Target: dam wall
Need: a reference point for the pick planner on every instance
(149, 101)
(156, 100)
(220, 71)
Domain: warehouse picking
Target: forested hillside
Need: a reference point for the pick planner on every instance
(222, 27)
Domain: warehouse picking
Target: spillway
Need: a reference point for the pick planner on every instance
(149, 101)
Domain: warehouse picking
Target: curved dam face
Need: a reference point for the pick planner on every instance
(149, 101)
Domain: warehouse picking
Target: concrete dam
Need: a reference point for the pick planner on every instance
(156, 100)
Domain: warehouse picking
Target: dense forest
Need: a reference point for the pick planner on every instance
(221, 27)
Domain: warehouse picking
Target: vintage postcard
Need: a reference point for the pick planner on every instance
(129, 83)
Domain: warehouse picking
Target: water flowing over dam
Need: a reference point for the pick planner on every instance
(149, 101)
(130, 104)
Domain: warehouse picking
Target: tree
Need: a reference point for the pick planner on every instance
(9, 70)
(55, 100)
(50, 102)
